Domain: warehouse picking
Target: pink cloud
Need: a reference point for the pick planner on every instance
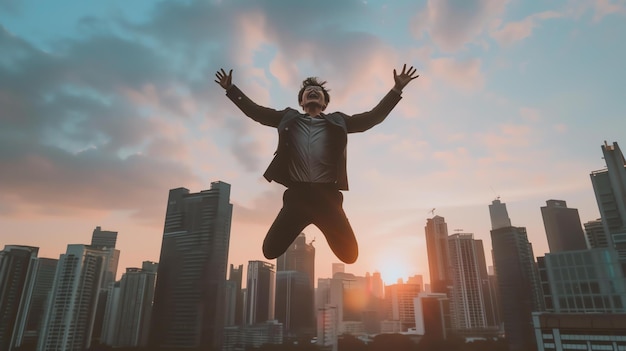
(452, 24)
(516, 31)
(465, 75)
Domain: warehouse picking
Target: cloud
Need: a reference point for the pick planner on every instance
(452, 24)
(516, 31)
(599, 8)
(465, 75)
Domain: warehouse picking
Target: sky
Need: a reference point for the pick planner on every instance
(106, 106)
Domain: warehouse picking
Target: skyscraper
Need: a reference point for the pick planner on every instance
(106, 240)
(103, 238)
(234, 298)
(189, 295)
(70, 317)
(499, 215)
(260, 292)
(609, 186)
(467, 298)
(563, 228)
(15, 270)
(518, 281)
(33, 308)
(295, 274)
(135, 306)
(437, 249)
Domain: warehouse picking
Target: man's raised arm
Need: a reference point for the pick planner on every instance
(364, 121)
(264, 115)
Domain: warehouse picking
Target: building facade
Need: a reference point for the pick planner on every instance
(16, 269)
(580, 331)
(438, 259)
(585, 281)
(609, 186)
(295, 289)
(188, 310)
(70, 320)
(260, 292)
(563, 227)
(467, 300)
(33, 306)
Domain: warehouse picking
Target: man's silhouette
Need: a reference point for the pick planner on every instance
(311, 160)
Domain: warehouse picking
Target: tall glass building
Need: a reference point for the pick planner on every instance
(189, 294)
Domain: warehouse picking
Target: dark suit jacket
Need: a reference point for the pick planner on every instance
(341, 124)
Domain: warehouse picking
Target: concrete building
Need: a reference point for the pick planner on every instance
(328, 327)
(400, 306)
(580, 331)
(188, 309)
(70, 320)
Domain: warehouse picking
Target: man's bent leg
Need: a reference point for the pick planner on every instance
(289, 223)
(332, 221)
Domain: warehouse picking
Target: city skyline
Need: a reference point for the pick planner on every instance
(108, 106)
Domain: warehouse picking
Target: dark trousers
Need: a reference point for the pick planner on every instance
(310, 203)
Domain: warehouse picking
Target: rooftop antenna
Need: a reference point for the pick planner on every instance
(494, 192)
(432, 212)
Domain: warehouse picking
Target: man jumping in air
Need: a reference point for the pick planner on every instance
(311, 160)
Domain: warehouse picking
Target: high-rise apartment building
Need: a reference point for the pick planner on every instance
(188, 309)
(295, 278)
(595, 234)
(563, 228)
(437, 249)
(467, 298)
(399, 298)
(33, 305)
(16, 265)
(609, 186)
(134, 307)
(518, 282)
(260, 292)
(70, 318)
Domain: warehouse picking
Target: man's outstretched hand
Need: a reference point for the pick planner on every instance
(223, 79)
(403, 78)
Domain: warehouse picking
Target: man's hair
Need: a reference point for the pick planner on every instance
(313, 81)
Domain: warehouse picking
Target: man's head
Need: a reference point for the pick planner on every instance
(313, 92)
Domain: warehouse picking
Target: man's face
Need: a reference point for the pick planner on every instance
(313, 94)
